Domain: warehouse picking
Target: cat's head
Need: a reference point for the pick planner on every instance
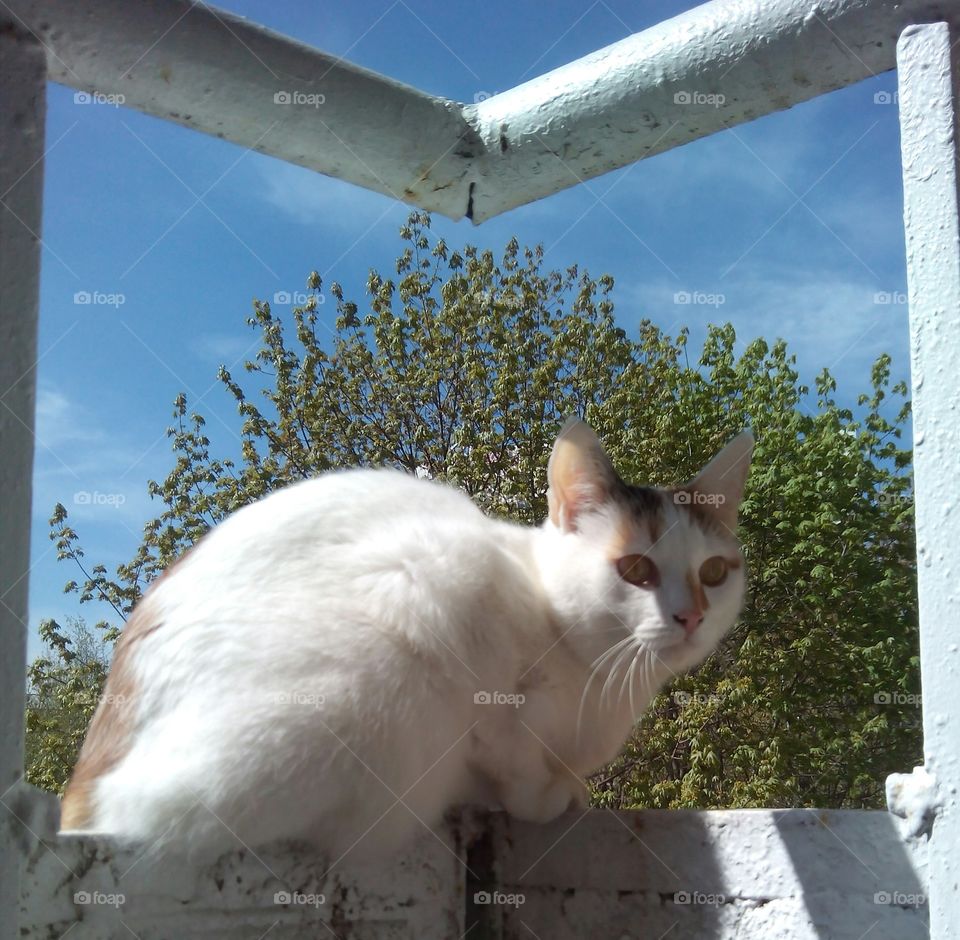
(661, 565)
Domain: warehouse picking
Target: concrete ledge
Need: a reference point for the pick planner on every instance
(95, 890)
(798, 874)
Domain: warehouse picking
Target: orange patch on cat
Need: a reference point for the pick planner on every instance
(110, 734)
(696, 589)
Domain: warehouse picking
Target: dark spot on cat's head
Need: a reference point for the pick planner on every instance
(644, 505)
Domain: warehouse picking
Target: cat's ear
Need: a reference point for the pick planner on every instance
(718, 488)
(579, 474)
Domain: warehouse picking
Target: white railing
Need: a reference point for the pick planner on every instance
(799, 873)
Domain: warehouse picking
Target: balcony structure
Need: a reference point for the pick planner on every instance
(747, 874)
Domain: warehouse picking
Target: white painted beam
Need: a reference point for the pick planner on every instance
(716, 66)
(927, 72)
(218, 73)
(22, 96)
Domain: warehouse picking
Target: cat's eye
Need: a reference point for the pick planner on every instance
(638, 570)
(713, 571)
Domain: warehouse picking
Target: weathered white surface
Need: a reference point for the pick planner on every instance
(218, 73)
(928, 65)
(22, 95)
(713, 67)
(915, 799)
(798, 874)
(97, 890)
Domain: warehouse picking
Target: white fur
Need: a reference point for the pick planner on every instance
(321, 657)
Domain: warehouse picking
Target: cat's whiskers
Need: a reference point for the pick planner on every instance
(633, 665)
(628, 678)
(626, 673)
(622, 658)
(595, 668)
(650, 674)
(606, 653)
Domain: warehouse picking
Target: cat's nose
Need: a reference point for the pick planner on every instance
(689, 619)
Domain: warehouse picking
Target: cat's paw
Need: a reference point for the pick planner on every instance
(579, 795)
(562, 793)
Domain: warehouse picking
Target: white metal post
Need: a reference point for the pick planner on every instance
(927, 63)
(22, 98)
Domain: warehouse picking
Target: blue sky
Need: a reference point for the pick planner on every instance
(794, 219)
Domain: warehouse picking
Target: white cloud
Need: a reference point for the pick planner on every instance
(97, 472)
(229, 349)
(56, 419)
(85, 466)
(311, 198)
(840, 322)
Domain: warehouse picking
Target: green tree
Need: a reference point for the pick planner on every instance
(464, 367)
(63, 688)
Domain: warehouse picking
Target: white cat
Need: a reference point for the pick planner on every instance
(351, 656)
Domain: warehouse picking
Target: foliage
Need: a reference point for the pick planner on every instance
(63, 687)
(463, 368)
